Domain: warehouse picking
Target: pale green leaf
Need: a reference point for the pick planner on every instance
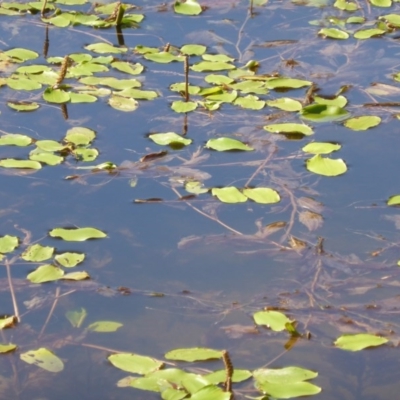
(69, 260)
(229, 194)
(193, 354)
(289, 128)
(274, 320)
(193, 49)
(359, 341)
(103, 48)
(80, 136)
(169, 138)
(76, 317)
(333, 33)
(128, 68)
(56, 96)
(21, 55)
(77, 234)
(76, 276)
(212, 66)
(362, 123)
(37, 253)
(15, 139)
(286, 104)
(188, 7)
(368, 33)
(262, 195)
(8, 244)
(250, 102)
(45, 273)
(7, 348)
(183, 106)
(44, 359)
(339, 101)
(227, 144)
(123, 103)
(24, 164)
(323, 113)
(326, 166)
(393, 201)
(321, 147)
(134, 363)
(23, 106)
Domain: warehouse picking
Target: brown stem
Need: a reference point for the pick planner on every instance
(186, 70)
(10, 284)
(53, 307)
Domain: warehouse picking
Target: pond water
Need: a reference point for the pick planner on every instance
(184, 272)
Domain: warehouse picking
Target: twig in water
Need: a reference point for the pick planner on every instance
(53, 307)
(186, 70)
(10, 285)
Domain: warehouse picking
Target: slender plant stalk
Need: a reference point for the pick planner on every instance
(11, 286)
(43, 11)
(53, 307)
(186, 70)
(46, 42)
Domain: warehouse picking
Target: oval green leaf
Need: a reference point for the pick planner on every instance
(368, 33)
(274, 320)
(321, 148)
(122, 103)
(77, 234)
(15, 139)
(135, 363)
(326, 166)
(262, 195)
(8, 244)
(393, 201)
(333, 33)
(37, 253)
(80, 136)
(289, 128)
(69, 260)
(193, 354)
(44, 359)
(24, 164)
(45, 273)
(183, 106)
(229, 194)
(227, 144)
(286, 104)
(362, 123)
(188, 7)
(359, 341)
(104, 326)
(323, 113)
(169, 138)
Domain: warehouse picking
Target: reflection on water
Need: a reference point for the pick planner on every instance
(191, 272)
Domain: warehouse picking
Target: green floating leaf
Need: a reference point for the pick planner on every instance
(219, 79)
(193, 354)
(24, 164)
(392, 19)
(281, 82)
(225, 97)
(368, 33)
(323, 113)
(339, 101)
(103, 48)
(321, 148)
(326, 166)
(239, 375)
(104, 326)
(286, 104)
(333, 33)
(288, 390)
(250, 102)
(15, 139)
(183, 106)
(262, 195)
(247, 86)
(45, 273)
(82, 98)
(211, 66)
(227, 144)
(135, 363)
(119, 84)
(345, 5)
(46, 158)
(393, 201)
(77, 234)
(359, 341)
(274, 320)
(229, 194)
(381, 3)
(8, 244)
(355, 20)
(128, 68)
(362, 123)
(76, 276)
(286, 383)
(7, 348)
(76, 317)
(181, 87)
(169, 138)
(152, 380)
(163, 57)
(193, 49)
(189, 7)
(194, 187)
(80, 136)
(122, 103)
(22, 84)
(289, 128)
(49, 145)
(217, 58)
(56, 96)
(211, 392)
(37, 253)
(21, 55)
(23, 106)
(44, 359)
(7, 322)
(69, 260)
(86, 155)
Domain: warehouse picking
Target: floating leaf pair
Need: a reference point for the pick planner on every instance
(259, 195)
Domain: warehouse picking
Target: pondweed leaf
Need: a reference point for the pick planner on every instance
(44, 359)
(134, 363)
(8, 244)
(393, 201)
(104, 326)
(321, 148)
(359, 341)
(193, 354)
(229, 194)
(37, 253)
(227, 144)
(274, 320)
(77, 234)
(326, 166)
(45, 273)
(362, 123)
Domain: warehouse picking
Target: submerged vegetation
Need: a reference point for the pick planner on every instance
(212, 83)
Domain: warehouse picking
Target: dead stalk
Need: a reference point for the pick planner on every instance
(53, 307)
(10, 284)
